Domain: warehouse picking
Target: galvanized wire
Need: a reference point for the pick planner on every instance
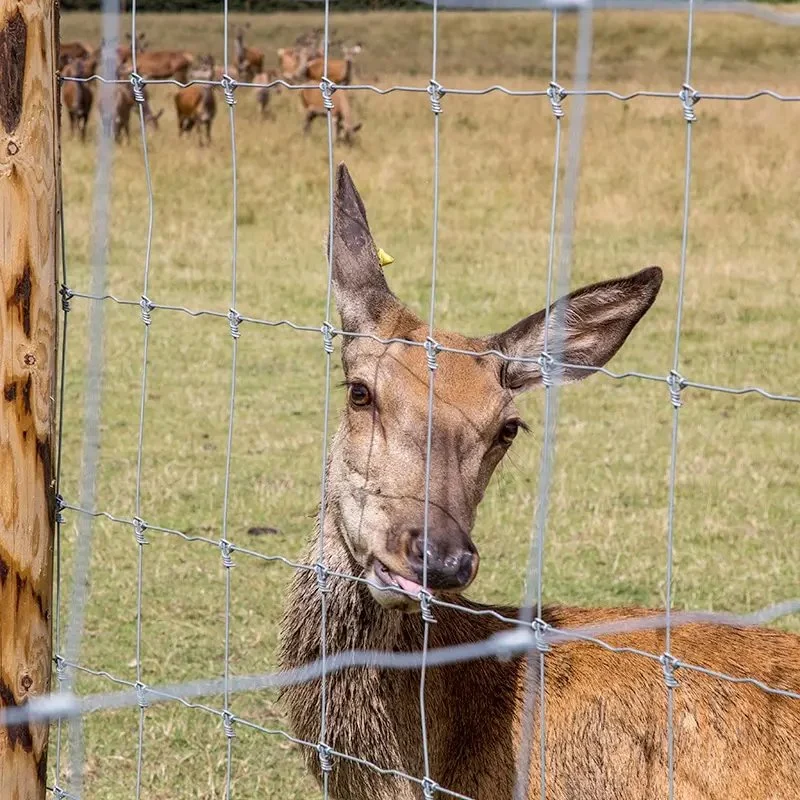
(146, 307)
(233, 323)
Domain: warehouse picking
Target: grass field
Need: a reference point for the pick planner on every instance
(737, 542)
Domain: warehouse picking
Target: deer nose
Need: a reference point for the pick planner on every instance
(452, 558)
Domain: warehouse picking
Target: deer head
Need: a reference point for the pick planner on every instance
(377, 461)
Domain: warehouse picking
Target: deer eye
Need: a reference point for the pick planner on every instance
(509, 431)
(358, 395)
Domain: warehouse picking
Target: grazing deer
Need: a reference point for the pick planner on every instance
(606, 712)
(77, 96)
(342, 113)
(162, 64)
(249, 60)
(298, 65)
(196, 105)
(124, 103)
(263, 93)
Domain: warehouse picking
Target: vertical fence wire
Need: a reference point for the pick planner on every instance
(552, 350)
(322, 578)
(93, 388)
(688, 98)
(435, 93)
(233, 320)
(65, 308)
(146, 309)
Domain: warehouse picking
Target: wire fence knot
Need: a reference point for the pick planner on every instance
(546, 364)
(59, 793)
(676, 383)
(139, 527)
(61, 668)
(429, 788)
(432, 349)
(228, 85)
(540, 628)
(226, 548)
(141, 694)
(321, 572)
(327, 87)
(425, 599)
(690, 98)
(325, 759)
(668, 665)
(60, 506)
(227, 724)
(66, 296)
(137, 85)
(147, 306)
(327, 337)
(436, 91)
(557, 94)
(234, 320)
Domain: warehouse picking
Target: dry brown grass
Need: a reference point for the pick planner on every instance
(737, 543)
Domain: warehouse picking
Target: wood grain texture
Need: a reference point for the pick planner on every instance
(28, 245)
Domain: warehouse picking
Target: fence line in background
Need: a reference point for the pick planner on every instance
(528, 635)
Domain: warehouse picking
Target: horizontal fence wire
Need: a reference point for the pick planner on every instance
(526, 635)
(443, 90)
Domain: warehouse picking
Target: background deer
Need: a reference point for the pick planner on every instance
(249, 60)
(263, 93)
(298, 65)
(342, 113)
(161, 64)
(124, 103)
(71, 50)
(196, 105)
(77, 97)
(606, 711)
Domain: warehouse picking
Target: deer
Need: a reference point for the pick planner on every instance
(263, 93)
(249, 60)
(342, 113)
(77, 96)
(606, 712)
(196, 105)
(300, 64)
(124, 102)
(69, 51)
(161, 64)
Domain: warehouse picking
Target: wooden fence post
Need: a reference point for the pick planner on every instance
(28, 247)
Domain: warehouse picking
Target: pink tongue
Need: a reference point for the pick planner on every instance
(407, 585)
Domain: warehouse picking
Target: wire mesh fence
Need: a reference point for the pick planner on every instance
(529, 635)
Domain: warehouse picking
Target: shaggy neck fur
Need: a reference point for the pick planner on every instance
(374, 713)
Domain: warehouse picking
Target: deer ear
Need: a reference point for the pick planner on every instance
(587, 328)
(361, 292)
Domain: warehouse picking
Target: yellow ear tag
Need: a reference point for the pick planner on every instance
(384, 258)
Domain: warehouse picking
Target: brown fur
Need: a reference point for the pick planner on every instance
(72, 50)
(342, 112)
(77, 97)
(299, 65)
(162, 64)
(605, 712)
(263, 94)
(196, 105)
(124, 103)
(249, 60)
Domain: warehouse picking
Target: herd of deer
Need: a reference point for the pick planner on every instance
(195, 105)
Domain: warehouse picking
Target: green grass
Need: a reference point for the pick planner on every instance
(736, 528)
